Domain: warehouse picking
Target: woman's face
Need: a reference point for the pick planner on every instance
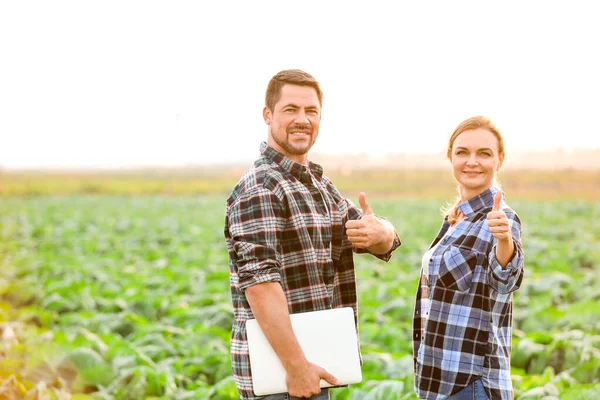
(475, 160)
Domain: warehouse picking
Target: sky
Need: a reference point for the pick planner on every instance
(139, 83)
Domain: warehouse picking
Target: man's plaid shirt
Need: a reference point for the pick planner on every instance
(467, 334)
(285, 223)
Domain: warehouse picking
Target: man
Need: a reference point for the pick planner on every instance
(291, 237)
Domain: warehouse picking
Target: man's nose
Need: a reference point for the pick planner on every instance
(301, 117)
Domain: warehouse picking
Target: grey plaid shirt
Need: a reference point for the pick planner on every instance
(285, 223)
(467, 334)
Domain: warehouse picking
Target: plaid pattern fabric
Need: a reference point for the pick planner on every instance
(285, 223)
(467, 334)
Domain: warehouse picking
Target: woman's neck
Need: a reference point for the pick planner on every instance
(467, 194)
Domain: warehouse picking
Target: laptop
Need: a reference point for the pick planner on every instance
(327, 338)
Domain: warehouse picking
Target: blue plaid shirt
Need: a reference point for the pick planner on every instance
(467, 333)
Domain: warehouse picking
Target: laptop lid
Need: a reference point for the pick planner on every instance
(327, 338)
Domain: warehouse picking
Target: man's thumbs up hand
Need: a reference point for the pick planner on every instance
(368, 230)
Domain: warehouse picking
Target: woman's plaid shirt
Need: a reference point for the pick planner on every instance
(467, 333)
(285, 223)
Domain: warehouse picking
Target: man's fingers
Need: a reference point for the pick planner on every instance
(354, 224)
(362, 199)
(359, 241)
(355, 233)
(328, 377)
(497, 199)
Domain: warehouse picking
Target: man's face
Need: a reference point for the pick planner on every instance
(294, 122)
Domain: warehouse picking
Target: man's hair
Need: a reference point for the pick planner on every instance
(292, 77)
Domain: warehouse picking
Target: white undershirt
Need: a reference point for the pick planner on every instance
(425, 276)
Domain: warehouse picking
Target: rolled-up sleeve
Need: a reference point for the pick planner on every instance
(255, 224)
(508, 279)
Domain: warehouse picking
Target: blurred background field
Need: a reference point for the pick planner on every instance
(116, 285)
(114, 280)
(437, 183)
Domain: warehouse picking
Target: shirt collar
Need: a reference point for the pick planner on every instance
(296, 169)
(476, 204)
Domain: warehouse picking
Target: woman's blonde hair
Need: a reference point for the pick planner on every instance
(477, 122)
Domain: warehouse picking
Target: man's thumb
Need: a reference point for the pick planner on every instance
(362, 199)
(497, 199)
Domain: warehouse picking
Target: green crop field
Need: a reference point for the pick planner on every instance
(114, 296)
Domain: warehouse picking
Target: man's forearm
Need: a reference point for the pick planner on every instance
(270, 309)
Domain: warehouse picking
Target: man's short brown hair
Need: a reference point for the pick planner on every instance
(292, 77)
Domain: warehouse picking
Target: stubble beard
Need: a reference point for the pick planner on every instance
(289, 147)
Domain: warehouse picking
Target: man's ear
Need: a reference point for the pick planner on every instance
(267, 115)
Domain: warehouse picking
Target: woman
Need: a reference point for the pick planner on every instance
(463, 313)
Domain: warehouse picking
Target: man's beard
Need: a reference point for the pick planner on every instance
(289, 147)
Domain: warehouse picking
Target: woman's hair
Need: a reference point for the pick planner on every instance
(477, 122)
(292, 77)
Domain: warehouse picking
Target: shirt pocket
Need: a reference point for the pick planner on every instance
(457, 268)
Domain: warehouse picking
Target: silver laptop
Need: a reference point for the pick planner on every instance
(327, 338)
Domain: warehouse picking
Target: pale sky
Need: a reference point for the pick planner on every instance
(127, 83)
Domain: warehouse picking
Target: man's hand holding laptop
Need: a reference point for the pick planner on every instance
(269, 307)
